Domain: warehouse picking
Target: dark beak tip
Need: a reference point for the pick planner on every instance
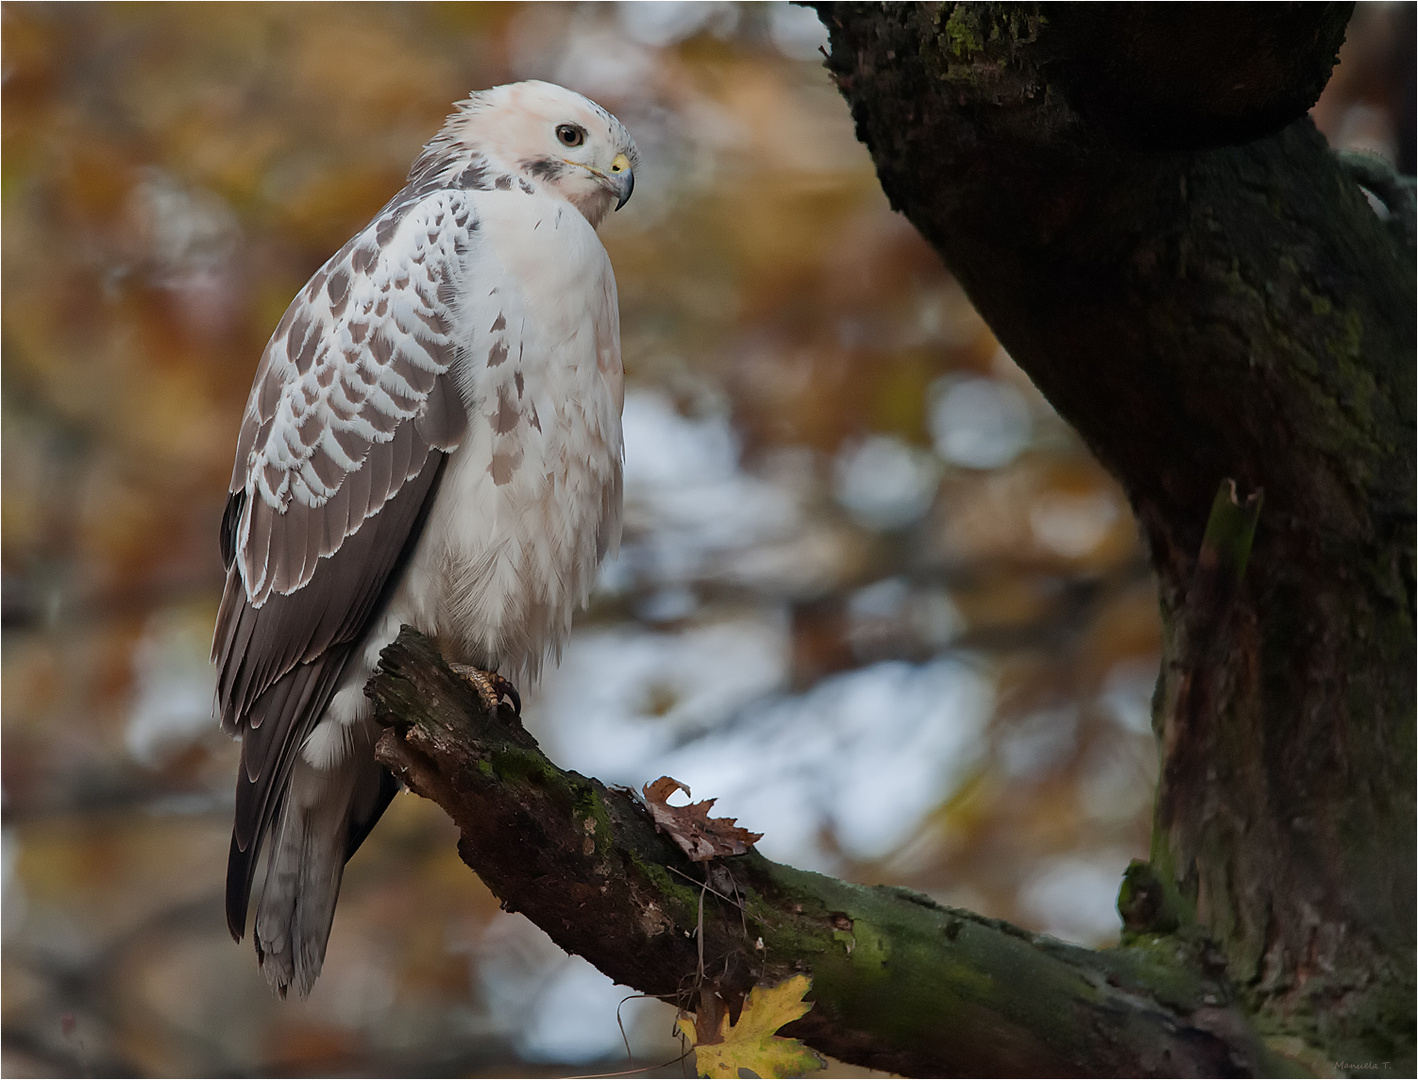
(629, 190)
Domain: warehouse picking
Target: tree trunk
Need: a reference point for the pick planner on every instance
(1204, 309)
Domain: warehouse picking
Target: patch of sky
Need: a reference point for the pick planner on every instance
(884, 482)
(660, 23)
(190, 235)
(555, 1007)
(706, 706)
(797, 32)
(895, 613)
(799, 765)
(1074, 897)
(173, 686)
(12, 893)
(976, 422)
(1072, 525)
(687, 501)
(1127, 694)
(624, 697)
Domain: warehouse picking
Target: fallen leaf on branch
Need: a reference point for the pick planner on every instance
(698, 835)
(752, 1044)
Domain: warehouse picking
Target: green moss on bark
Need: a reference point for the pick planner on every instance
(899, 982)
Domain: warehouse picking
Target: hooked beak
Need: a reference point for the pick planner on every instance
(624, 189)
(620, 181)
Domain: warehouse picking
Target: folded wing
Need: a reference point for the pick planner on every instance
(353, 412)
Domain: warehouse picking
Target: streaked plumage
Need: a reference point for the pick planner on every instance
(433, 438)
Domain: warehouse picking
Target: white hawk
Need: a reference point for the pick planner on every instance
(433, 438)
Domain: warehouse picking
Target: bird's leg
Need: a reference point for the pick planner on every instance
(491, 687)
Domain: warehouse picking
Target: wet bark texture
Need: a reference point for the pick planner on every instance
(898, 982)
(1135, 201)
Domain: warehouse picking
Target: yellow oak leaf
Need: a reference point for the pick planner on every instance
(752, 1044)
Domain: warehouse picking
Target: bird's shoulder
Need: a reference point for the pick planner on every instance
(359, 352)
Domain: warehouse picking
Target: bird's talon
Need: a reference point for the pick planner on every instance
(491, 687)
(505, 689)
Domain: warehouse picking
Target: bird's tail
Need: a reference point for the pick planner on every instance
(326, 813)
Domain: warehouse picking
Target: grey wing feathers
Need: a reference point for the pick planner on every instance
(282, 662)
(268, 750)
(342, 443)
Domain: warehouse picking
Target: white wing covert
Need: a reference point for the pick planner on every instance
(357, 354)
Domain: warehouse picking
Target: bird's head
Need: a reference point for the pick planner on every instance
(549, 135)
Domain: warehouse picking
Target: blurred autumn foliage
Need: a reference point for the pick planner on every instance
(874, 595)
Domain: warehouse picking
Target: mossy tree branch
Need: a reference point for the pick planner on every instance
(899, 982)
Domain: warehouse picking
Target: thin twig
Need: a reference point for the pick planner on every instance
(699, 930)
(705, 885)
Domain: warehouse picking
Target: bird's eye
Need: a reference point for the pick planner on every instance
(570, 134)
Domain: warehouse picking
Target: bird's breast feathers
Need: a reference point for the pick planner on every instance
(480, 323)
(531, 498)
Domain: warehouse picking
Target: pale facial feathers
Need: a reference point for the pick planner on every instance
(542, 134)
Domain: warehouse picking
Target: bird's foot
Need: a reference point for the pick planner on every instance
(491, 687)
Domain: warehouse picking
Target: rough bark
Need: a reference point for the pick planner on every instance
(1201, 309)
(898, 982)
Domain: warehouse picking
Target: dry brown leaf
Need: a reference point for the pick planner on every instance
(698, 835)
